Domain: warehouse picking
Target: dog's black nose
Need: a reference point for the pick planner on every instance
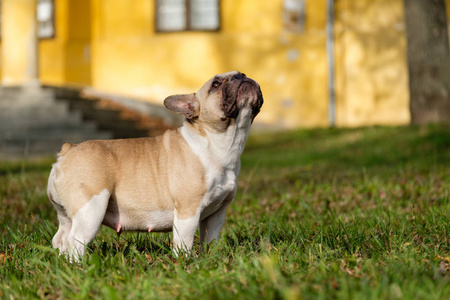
(238, 76)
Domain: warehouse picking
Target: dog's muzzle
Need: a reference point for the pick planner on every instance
(239, 91)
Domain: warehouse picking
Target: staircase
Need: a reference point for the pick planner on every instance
(35, 122)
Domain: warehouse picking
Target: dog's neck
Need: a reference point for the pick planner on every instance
(224, 147)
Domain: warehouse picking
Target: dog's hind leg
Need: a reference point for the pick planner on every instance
(85, 225)
(211, 226)
(60, 239)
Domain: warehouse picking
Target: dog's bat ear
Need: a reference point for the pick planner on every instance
(186, 105)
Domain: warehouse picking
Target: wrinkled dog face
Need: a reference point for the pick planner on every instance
(218, 103)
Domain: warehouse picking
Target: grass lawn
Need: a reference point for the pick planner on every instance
(330, 214)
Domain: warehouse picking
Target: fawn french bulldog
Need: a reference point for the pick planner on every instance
(176, 182)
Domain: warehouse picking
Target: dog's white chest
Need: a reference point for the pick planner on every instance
(220, 156)
(220, 189)
(226, 185)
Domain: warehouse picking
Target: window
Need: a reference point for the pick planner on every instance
(294, 15)
(45, 16)
(187, 15)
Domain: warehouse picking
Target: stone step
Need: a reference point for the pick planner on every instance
(16, 106)
(106, 118)
(13, 91)
(19, 96)
(13, 123)
(33, 123)
(17, 148)
(37, 121)
(35, 116)
(49, 130)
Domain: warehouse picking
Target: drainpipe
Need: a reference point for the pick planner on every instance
(330, 58)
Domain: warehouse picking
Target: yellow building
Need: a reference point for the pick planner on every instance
(149, 49)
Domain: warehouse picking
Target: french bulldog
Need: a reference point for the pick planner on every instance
(176, 182)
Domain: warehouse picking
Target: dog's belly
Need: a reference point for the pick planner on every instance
(142, 220)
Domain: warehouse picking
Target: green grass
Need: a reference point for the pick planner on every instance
(329, 214)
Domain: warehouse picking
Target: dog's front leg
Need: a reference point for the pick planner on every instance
(183, 232)
(211, 226)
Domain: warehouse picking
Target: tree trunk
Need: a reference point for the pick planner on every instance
(428, 61)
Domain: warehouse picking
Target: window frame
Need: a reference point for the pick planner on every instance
(188, 27)
(37, 22)
(53, 22)
(297, 25)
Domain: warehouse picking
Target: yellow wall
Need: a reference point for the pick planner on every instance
(130, 57)
(18, 56)
(112, 46)
(52, 52)
(66, 59)
(371, 74)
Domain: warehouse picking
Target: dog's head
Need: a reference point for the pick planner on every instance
(220, 101)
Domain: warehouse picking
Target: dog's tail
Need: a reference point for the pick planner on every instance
(65, 148)
(51, 185)
(52, 192)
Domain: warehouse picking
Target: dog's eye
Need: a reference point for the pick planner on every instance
(216, 84)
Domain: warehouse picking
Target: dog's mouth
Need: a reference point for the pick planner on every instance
(238, 92)
(250, 91)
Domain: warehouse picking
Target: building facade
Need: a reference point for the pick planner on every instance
(149, 49)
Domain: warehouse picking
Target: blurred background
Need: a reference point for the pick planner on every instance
(83, 69)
